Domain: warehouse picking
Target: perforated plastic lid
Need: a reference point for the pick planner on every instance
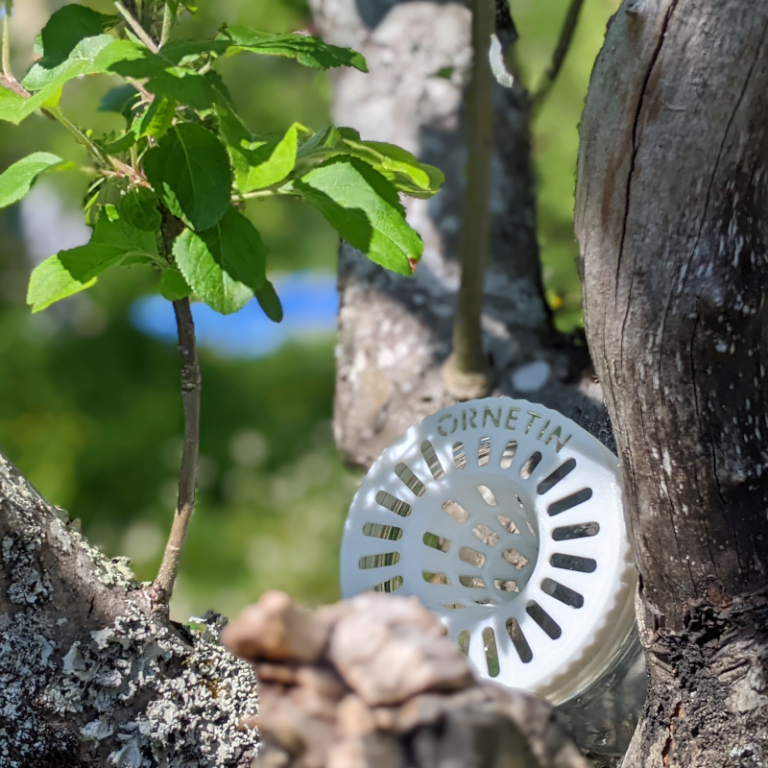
(506, 518)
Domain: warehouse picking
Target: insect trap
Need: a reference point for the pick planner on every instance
(505, 518)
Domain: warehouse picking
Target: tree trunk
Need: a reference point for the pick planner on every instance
(395, 332)
(671, 218)
(89, 675)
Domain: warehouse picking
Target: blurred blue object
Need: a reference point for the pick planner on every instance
(310, 303)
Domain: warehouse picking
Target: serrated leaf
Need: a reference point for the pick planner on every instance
(223, 265)
(261, 163)
(81, 61)
(182, 85)
(139, 210)
(189, 170)
(18, 179)
(158, 118)
(65, 29)
(309, 51)
(173, 286)
(121, 99)
(269, 302)
(363, 207)
(74, 270)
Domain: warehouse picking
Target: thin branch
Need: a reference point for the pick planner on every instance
(7, 41)
(191, 384)
(466, 373)
(561, 51)
(138, 30)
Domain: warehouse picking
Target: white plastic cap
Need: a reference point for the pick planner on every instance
(506, 518)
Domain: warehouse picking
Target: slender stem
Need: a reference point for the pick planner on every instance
(191, 383)
(79, 136)
(7, 40)
(561, 51)
(138, 30)
(468, 363)
(169, 17)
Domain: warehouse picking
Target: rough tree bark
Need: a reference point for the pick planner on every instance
(395, 332)
(671, 217)
(89, 674)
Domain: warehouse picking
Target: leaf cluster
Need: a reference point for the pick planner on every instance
(170, 189)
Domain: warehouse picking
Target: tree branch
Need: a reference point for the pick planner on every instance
(561, 51)
(190, 392)
(138, 30)
(466, 372)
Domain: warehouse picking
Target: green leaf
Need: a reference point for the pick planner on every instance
(74, 270)
(121, 99)
(114, 146)
(270, 303)
(225, 264)
(158, 118)
(65, 29)
(139, 210)
(189, 170)
(261, 163)
(173, 286)
(183, 85)
(13, 108)
(18, 179)
(364, 209)
(308, 51)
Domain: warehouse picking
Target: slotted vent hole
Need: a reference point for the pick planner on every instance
(435, 578)
(580, 531)
(464, 636)
(456, 511)
(454, 606)
(390, 585)
(513, 557)
(393, 504)
(473, 582)
(518, 640)
(379, 531)
(484, 451)
(491, 654)
(472, 556)
(505, 585)
(543, 619)
(403, 471)
(569, 502)
(488, 495)
(379, 561)
(436, 542)
(573, 563)
(562, 593)
(530, 528)
(486, 601)
(435, 467)
(507, 524)
(530, 465)
(486, 535)
(459, 455)
(549, 482)
(510, 449)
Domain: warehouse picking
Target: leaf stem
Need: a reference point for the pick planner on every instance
(561, 51)
(191, 384)
(466, 372)
(7, 40)
(138, 30)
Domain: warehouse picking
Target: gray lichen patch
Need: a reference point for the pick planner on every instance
(133, 694)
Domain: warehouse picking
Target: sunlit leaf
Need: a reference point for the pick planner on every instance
(261, 163)
(18, 179)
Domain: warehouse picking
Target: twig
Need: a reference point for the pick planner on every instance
(466, 372)
(7, 40)
(138, 30)
(561, 51)
(191, 384)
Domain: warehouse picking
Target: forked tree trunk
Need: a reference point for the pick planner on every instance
(672, 221)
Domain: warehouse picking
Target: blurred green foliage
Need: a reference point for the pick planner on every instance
(89, 407)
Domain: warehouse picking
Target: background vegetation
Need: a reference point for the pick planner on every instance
(89, 405)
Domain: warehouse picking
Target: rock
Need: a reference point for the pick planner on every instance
(276, 630)
(388, 650)
(354, 718)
